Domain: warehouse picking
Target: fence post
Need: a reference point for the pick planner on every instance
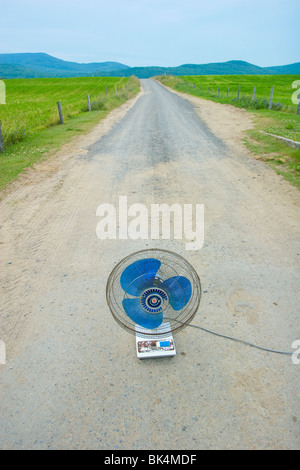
(271, 98)
(106, 89)
(61, 118)
(208, 89)
(1, 140)
(254, 91)
(218, 92)
(89, 103)
(115, 89)
(201, 88)
(238, 96)
(227, 91)
(298, 107)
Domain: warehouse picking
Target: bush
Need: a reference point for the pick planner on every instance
(95, 105)
(277, 106)
(98, 104)
(15, 135)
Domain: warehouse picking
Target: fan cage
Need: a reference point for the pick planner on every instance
(172, 264)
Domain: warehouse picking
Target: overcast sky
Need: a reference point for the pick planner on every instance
(154, 32)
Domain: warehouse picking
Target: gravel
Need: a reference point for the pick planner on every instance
(72, 378)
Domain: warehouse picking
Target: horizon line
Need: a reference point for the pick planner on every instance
(147, 66)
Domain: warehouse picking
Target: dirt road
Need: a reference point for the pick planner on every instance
(72, 379)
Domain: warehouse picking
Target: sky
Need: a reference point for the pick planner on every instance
(154, 32)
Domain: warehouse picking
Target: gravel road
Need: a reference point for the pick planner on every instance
(72, 379)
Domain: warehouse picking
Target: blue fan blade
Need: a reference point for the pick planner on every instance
(139, 275)
(139, 316)
(179, 290)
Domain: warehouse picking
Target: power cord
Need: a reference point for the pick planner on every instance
(237, 339)
(240, 340)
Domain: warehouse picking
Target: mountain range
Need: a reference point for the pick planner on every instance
(41, 65)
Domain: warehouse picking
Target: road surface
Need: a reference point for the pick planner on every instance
(72, 379)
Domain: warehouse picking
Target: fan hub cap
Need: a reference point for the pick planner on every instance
(153, 300)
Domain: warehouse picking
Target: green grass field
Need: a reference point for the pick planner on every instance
(207, 86)
(30, 120)
(31, 104)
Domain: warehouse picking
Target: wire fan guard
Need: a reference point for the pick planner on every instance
(153, 292)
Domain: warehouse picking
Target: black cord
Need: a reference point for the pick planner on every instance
(237, 339)
(242, 341)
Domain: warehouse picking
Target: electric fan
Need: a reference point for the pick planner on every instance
(153, 294)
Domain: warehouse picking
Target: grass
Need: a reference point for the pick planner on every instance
(281, 120)
(30, 117)
(207, 87)
(283, 159)
(31, 104)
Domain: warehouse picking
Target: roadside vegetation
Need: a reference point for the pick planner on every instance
(30, 121)
(282, 119)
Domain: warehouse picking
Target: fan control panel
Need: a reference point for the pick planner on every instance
(156, 346)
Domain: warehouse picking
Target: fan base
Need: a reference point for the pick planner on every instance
(151, 346)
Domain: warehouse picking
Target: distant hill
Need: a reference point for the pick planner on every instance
(33, 65)
(233, 67)
(40, 65)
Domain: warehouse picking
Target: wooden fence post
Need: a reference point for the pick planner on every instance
(115, 89)
(61, 118)
(227, 91)
(218, 92)
(208, 89)
(271, 98)
(1, 140)
(106, 89)
(238, 96)
(253, 94)
(89, 103)
(298, 107)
